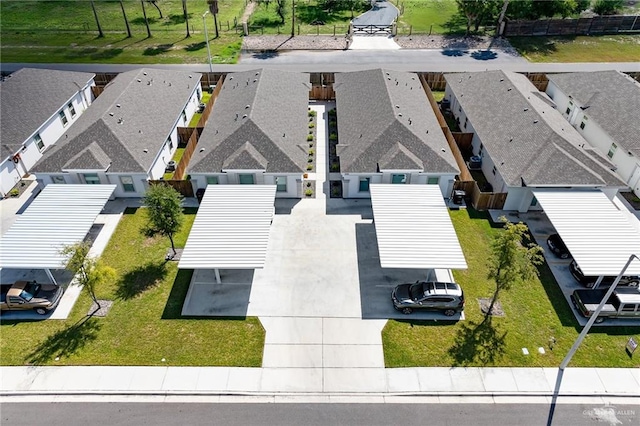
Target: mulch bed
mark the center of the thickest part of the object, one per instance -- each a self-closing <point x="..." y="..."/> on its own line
<point x="496" y="311"/>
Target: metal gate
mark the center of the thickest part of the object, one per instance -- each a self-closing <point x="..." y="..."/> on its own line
<point x="372" y="29"/>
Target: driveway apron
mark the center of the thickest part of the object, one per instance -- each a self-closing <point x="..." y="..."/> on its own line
<point x="308" y="295"/>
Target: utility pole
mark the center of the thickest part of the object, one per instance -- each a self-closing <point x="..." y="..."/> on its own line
<point x="206" y="38"/>
<point x="293" y="18"/>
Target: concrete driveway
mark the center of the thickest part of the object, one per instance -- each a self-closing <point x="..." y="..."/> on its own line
<point x="382" y="13"/>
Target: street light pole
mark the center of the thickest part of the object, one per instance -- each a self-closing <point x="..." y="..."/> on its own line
<point x="206" y="38"/>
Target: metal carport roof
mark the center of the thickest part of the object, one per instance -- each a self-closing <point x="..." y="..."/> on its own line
<point x="599" y="235"/>
<point x="231" y="229"/>
<point x="414" y="229"/>
<point x="60" y="215"/>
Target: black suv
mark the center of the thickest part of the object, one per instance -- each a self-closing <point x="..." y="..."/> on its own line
<point x="435" y="296"/>
<point x="625" y="280"/>
<point x="557" y="246"/>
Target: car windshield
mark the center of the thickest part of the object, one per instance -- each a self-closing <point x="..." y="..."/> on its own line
<point x="416" y="291"/>
<point x="29" y="291"/>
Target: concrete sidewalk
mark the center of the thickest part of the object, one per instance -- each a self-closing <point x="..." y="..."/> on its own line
<point x="321" y="383"/>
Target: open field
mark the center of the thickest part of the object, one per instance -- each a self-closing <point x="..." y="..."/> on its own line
<point x="535" y="313"/>
<point x="428" y="16"/>
<point x="144" y="325"/>
<point x="606" y="48"/>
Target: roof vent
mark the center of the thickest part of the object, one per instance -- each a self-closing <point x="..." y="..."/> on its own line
<point x="535" y="121"/>
<point x="111" y="114"/>
<point x="145" y="150"/>
<point x="247" y="106"/>
<point x="169" y="84"/>
<point x="443" y="150"/>
<point x="257" y="73"/>
<point x="201" y="149"/>
<point x="400" y="114"/>
<point x="502" y="79"/>
<point x="231" y="78"/>
<point x="118" y="105"/>
<point x="244" y="115"/>
<point x="149" y="83"/>
<point x="397" y="106"/>
<point x="120" y="120"/>
<point x="144" y="73"/>
<point x="190" y="76"/>
<point x="526" y="109"/>
<point x="509" y="89"/>
<point x="138" y="80"/>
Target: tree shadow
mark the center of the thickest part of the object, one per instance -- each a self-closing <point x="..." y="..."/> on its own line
<point x="65" y="342"/>
<point x="193" y="47"/>
<point x="536" y="45"/>
<point x="157" y="50"/>
<point x="454" y="52"/>
<point x="140" y="21"/>
<point x="106" y="54"/>
<point x="484" y="55"/>
<point x="141" y="279"/>
<point x="478" y="344"/>
<point x="175" y="19"/>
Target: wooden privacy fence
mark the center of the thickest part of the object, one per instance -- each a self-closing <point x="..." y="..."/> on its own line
<point x="212" y="100"/>
<point x="464" y="172"/>
<point x="184" y="187"/>
<point x="463" y="140"/>
<point x="322" y="86"/>
<point x="581" y="26"/>
<point x="481" y="200"/>
<point x="435" y="80"/>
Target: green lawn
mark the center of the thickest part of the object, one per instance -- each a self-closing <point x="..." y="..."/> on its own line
<point x="422" y="16"/>
<point x="535" y="313"/>
<point x="65" y="31"/>
<point x="607" y="48"/>
<point x="196" y="117"/>
<point x="144" y="325"/>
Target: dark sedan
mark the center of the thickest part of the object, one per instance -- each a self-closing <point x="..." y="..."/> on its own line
<point x="557" y="247"/>
<point x="625" y="280"/>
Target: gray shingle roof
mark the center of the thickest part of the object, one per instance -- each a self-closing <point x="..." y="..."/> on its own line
<point x="527" y="138"/>
<point x="136" y="112"/>
<point x="29" y="97"/>
<point x="385" y="121"/>
<point x="259" y="121"/>
<point x="613" y="101"/>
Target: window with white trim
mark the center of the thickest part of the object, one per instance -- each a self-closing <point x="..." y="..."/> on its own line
<point x="63" y="118"/>
<point x="39" y="142"/>
<point x="281" y="184"/>
<point x="91" y="179"/>
<point x="364" y="184"/>
<point x="246" y="179"/>
<point x="127" y="184"/>
<point x="72" y="110"/>
<point x="612" y="150"/>
<point x="399" y="178"/>
<point x="212" y="180"/>
<point x="584" y="122"/>
<point x="433" y="180"/>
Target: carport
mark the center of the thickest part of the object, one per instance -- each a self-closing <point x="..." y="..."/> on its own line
<point x="599" y="235"/>
<point x="60" y="215"/>
<point x="414" y="229"/>
<point x="231" y="229"/>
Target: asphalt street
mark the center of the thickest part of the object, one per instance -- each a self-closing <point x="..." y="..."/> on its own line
<point x="163" y="413"/>
<point x="383" y="13"/>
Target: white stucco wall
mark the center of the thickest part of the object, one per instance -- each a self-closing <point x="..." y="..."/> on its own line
<point x="231" y="177"/>
<point x="50" y="131"/>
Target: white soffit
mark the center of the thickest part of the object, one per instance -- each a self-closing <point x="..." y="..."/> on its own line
<point x="414" y="229"/>
<point x="60" y="215"/>
<point x="598" y="234"/>
<point x="231" y="229"/>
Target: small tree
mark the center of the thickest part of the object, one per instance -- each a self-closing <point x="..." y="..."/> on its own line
<point x="165" y="210"/>
<point x="512" y="261"/>
<point x="91" y="272"/>
<point x="607" y="7"/>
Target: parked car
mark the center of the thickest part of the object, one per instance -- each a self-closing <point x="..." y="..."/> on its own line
<point x="623" y="303"/>
<point x="23" y="295"/>
<point x="625" y="280"/>
<point x="435" y="296"/>
<point x="557" y="247"/>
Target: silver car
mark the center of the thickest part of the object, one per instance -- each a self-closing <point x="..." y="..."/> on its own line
<point x="434" y="296"/>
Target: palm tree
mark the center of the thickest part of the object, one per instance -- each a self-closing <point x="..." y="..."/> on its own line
<point x="126" y="21"/>
<point x="146" y="21"/>
<point x="95" y="14"/>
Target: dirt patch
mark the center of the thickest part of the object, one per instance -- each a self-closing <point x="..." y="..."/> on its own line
<point x="496" y="311"/>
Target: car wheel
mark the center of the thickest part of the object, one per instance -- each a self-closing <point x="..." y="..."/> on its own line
<point x="599" y="320"/>
<point x="40" y="311"/>
<point x="564" y="256"/>
<point x="407" y="310"/>
<point x="449" y="312"/>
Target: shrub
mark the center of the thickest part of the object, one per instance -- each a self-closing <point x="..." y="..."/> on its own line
<point x="335" y="167"/>
<point x="309" y="166"/>
<point x="310" y="144"/>
<point x="308" y="184"/>
<point x="333" y="137"/>
<point x="332" y="112"/>
<point x="310" y="160"/>
<point x="312" y="125"/>
<point x="607" y="7"/>
<point x="311" y="152"/>
<point x="312" y="113"/>
<point x="14" y="192"/>
<point x="309" y="137"/>
<point x="308" y="192"/>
